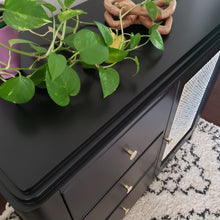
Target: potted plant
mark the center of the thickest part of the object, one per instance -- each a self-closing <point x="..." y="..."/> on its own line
<point x="7" y="33"/>
<point x="57" y="75"/>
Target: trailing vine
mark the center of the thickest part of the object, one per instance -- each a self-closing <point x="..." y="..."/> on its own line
<point x="100" y="51"/>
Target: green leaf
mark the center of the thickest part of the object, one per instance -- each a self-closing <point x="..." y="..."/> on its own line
<point x="67" y="84"/>
<point x="18" y="90"/>
<point x="24" y="14"/>
<point x="61" y="4"/>
<point x="109" y="80"/>
<point x="137" y="63"/>
<point x="56" y="92"/>
<point x="63" y="16"/>
<point x="75" y="82"/>
<point x="68" y="29"/>
<point x="159" y="12"/>
<point x="156" y="39"/>
<point x="118" y="42"/>
<point x="68" y="3"/>
<point x="42" y="85"/>
<point x="39" y="75"/>
<point x="154" y="27"/>
<point x="135" y="40"/>
<point x="91" y="46"/>
<point x="168" y="0"/>
<point x="116" y="55"/>
<point x="106" y="33"/>
<point x="56" y="64"/>
<point x="20" y="41"/>
<point x="39" y="50"/>
<point x="69" y="40"/>
<point x="49" y="6"/>
<point x="88" y="66"/>
<point x="152" y="9"/>
<point x="40" y="2"/>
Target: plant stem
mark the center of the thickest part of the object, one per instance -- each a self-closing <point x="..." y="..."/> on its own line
<point x="31" y="66"/>
<point x="11" y="68"/>
<point x="73" y="63"/>
<point x="4" y="64"/>
<point x="63" y="32"/>
<point x="130" y="10"/>
<point x="133" y="8"/>
<point x="111" y="65"/>
<point x="9" y="60"/>
<point x="8" y="74"/>
<point x="62" y="37"/>
<point x="54" y="26"/>
<point x="40" y="35"/>
<point x="77" y="24"/>
<point x="73" y="56"/>
<point x="17" y="51"/>
<point x="52" y="43"/>
<point x="141" y="45"/>
<point x="145" y="35"/>
<point x="122" y="29"/>
<point x="2" y="79"/>
<point x="83" y="22"/>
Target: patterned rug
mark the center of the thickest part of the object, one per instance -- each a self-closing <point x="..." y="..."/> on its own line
<point x="188" y="188"/>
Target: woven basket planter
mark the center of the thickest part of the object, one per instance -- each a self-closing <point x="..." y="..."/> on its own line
<point x="7" y="33"/>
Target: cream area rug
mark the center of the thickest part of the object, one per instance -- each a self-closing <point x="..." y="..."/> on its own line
<point x="188" y="188"/>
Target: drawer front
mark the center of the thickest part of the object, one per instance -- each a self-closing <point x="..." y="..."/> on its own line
<point x="124" y="186"/>
<point x="125" y="206"/>
<point x="96" y="178"/>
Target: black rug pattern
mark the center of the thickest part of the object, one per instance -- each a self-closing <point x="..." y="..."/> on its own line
<point x="189" y="186"/>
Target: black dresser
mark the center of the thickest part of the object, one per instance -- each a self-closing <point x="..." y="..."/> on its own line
<point x="93" y="159"/>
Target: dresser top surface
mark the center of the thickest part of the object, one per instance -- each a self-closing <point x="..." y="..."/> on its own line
<point x="40" y="139"/>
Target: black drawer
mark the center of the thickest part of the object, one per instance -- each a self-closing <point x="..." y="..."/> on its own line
<point x="97" y="177"/>
<point x="130" y="200"/>
<point x="123" y="187"/>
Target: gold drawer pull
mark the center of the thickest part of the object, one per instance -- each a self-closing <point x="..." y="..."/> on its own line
<point x="125" y="210"/>
<point x="167" y="140"/>
<point x="132" y="153"/>
<point x="127" y="187"/>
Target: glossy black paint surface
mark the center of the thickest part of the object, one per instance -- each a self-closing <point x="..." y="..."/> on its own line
<point x="145" y="164"/>
<point x="100" y="174"/>
<point x="43" y="145"/>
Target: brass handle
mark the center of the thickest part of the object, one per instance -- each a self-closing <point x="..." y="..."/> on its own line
<point x="130" y="152"/>
<point x="167" y="140"/>
<point x="127" y="187"/>
<point x="125" y="210"/>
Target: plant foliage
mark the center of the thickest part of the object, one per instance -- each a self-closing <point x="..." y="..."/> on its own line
<point x="100" y="50"/>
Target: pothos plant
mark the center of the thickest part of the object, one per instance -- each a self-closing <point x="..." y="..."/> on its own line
<point x="100" y="51"/>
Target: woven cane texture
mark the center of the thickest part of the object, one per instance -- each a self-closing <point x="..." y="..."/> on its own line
<point x="189" y="103"/>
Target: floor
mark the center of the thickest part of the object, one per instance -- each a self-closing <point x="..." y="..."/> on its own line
<point x="210" y="113"/>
